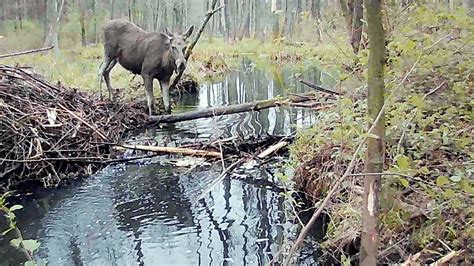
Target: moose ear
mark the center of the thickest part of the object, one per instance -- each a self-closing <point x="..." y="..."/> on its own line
<point x="169" y="33"/>
<point x="168" y="38"/>
<point x="188" y="32"/>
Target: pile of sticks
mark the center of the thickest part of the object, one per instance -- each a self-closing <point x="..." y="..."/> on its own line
<point x="50" y="132"/>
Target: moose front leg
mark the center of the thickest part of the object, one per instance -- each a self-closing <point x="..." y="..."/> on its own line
<point x="165" y="94"/>
<point x="148" y="80"/>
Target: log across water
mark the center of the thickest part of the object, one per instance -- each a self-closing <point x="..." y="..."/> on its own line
<point x="233" y="109"/>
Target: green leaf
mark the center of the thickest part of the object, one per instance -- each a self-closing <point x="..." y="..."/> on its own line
<point x="30" y="245"/>
<point x="449" y="193"/>
<point x="424" y="170"/>
<point x="16" y="207"/>
<point x="455" y="178"/>
<point x="30" y="263"/>
<point x="41" y="263"/>
<point x="402" y="162"/>
<point x="441" y="181"/>
<point x="15" y="242"/>
<point x="417" y="101"/>
<point x="404" y="182"/>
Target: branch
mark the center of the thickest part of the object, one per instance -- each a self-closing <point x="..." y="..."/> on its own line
<point x="308" y="226"/>
<point x="272" y="149"/>
<point x="232" y="109"/>
<point x="196" y="39"/>
<point x="319" y="88"/>
<point x="414" y="112"/>
<point x="27" y="52"/>
<point x="447" y="258"/>
<point x="170" y="150"/>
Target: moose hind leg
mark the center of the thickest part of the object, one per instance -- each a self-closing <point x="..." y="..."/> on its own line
<point x="165" y="95"/>
<point x="106" y="75"/>
<point x="148" y="80"/>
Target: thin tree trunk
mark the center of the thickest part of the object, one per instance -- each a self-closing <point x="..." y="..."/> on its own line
<point x="55" y="12"/>
<point x="357" y="25"/>
<point x="112" y="9"/>
<point x="375" y="146"/>
<point x="82" y="15"/>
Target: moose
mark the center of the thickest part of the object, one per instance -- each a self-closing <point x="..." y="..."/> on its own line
<point x="152" y="55"/>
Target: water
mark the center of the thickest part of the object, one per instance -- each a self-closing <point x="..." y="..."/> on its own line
<point x="148" y="213"/>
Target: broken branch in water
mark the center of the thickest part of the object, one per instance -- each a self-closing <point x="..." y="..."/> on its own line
<point x="319" y="88"/>
<point x="272" y="149"/>
<point x="232" y="109"/>
<point x="27" y="52"/>
<point x="170" y="150"/>
<point x="209" y="14"/>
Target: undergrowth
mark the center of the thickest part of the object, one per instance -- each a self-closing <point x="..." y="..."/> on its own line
<point x="428" y="189"/>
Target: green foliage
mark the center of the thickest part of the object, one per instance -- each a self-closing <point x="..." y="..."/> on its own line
<point x="28" y="245"/>
<point x="429" y="105"/>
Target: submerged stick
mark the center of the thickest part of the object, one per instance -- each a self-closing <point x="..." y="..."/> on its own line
<point x="27" y="52"/>
<point x="220" y="178"/>
<point x="232" y="109"/>
<point x="184" y="151"/>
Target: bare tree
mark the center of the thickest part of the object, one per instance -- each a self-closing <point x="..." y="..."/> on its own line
<point x="55" y="10"/>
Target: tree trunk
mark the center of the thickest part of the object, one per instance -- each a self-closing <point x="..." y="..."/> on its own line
<point x="82" y="11"/>
<point x="346" y="8"/>
<point x="112" y="9"/>
<point x="375" y="146"/>
<point x="54" y="13"/>
<point x="469" y="5"/>
<point x="357" y="25"/>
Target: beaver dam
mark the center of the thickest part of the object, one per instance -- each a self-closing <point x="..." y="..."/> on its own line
<point x="51" y="132"/>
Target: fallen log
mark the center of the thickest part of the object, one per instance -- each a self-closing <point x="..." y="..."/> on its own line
<point x="233" y="109"/>
<point x="184" y="151"/>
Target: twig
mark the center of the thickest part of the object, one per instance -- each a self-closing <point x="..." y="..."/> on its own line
<point x="272" y="149"/>
<point x="219" y="179"/>
<point x="308" y="226"/>
<point x="414" y="112"/>
<point x="222" y="157"/>
<point x="196" y="39"/>
<point x="411" y="259"/>
<point x="27" y="52"/>
<point x="447" y="258"/>
<point x="101" y="135"/>
<point x="319" y="88"/>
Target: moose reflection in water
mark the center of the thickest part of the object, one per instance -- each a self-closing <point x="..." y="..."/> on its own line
<point x="148" y="213"/>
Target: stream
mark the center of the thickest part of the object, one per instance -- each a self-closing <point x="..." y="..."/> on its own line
<point x="148" y="213"/>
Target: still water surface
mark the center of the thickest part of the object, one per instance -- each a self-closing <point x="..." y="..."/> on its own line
<point x="147" y="213"/>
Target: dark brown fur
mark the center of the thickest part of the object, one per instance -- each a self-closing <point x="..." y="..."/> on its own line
<point x="149" y="54"/>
